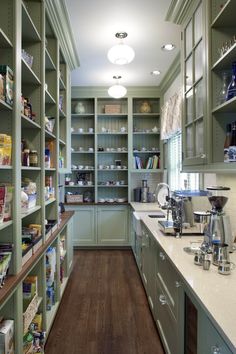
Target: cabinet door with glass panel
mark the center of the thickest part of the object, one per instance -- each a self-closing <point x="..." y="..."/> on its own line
<point x="194" y="80"/>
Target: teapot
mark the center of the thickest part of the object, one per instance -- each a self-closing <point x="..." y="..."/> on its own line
<point x="79" y="108"/>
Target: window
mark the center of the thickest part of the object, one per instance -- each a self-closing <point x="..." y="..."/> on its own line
<point x="177" y="179"/>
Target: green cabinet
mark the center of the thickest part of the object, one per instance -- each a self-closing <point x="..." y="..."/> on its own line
<point x="100" y="225"/>
<point x="112" y="225"/>
<point x="193" y="54"/>
<point x="84" y="230"/>
<point x="148" y="265"/>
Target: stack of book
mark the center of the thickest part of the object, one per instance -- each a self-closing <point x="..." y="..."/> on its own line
<point x="153" y="162"/>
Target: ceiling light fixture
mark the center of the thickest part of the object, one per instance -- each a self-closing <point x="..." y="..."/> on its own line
<point x="121" y="53"/>
<point x="155" y="72"/>
<point x="168" y="47"/>
<point x="117" y="90"/>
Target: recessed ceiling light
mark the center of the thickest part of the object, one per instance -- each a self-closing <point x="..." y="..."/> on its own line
<point x="168" y="46"/>
<point x="155" y="72"/>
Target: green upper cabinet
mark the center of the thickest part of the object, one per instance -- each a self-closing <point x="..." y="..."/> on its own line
<point x="194" y="86"/>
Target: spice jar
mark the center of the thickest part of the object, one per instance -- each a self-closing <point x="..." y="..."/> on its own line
<point x="33" y="158"/>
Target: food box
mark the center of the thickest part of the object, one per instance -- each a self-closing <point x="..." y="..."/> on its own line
<point x="74" y="198"/>
<point x="112" y="108"/>
<point x="53" y="225"/>
<point x="7" y="74"/>
<point x="5" y="149"/>
<point x="7" y="337"/>
<point x="30" y="312"/>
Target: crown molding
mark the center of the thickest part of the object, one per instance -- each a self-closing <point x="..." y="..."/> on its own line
<point x="177" y="10"/>
<point x="171" y="74"/>
<point x="101" y="91"/>
<point x="58" y="15"/>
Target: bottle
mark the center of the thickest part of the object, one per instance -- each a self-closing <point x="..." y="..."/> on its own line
<point x="227" y="142"/>
<point x="232" y="146"/>
<point x="47" y="158"/>
<point x="224" y="87"/>
<point x="25" y="161"/>
<point x="231" y="91"/>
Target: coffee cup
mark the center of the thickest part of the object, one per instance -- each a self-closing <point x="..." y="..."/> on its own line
<point x="112" y="167"/>
<point x="80" y="130"/>
<point x="86" y="167"/>
<point x="89" y="183"/>
<point x="90" y="149"/>
<point x="225" y="267"/>
<point x="100" y="167"/>
<point x="80" y="183"/>
<point x="71" y="183"/>
<point x="80" y="167"/>
<point x="90" y="130"/>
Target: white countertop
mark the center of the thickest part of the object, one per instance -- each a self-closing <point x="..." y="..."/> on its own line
<point x="145" y="206"/>
<point x="215" y="292"/>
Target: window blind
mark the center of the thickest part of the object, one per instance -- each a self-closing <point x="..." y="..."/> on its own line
<point x="176" y="179"/>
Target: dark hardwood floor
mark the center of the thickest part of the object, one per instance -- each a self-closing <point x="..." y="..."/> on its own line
<point x="104" y="308"/>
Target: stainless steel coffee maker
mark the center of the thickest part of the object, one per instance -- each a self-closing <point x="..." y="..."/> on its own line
<point x="219" y="228"/>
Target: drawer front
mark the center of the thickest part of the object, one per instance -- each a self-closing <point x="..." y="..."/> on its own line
<point x="169" y="280"/>
<point x="209" y="340"/>
<point x="166" y="323"/>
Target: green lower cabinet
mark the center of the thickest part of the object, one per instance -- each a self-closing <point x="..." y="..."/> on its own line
<point x="69" y="241"/>
<point x="112" y="225"/>
<point x="97" y="225"/>
<point x="209" y="340"/>
<point x="84" y="230"/>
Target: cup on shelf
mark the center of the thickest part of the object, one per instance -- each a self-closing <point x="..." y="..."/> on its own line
<point x="124" y="167"/>
<point x="112" y="167"/>
<point x="90" y="149"/>
<point x="107" y="167"/>
<point x="90" y="130"/>
<point x="119" y="149"/>
<point x="103" y="130"/>
<point x="81" y="148"/>
<point x="80" y="183"/>
<point x="80" y="130"/>
<point x="101" y="200"/>
<point x="122" y="182"/>
<point x="80" y="167"/>
<point x="86" y="167"/>
<point x="89" y="183"/>
<point x="117" y="183"/>
<point x="155" y="129"/>
<point x="118" y="167"/>
<point x="72" y="129"/>
<point x="71" y="183"/>
<point x="123" y="129"/>
<point x="100" y="167"/>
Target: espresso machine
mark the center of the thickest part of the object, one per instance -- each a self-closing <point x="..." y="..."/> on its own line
<point x="219" y="228"/>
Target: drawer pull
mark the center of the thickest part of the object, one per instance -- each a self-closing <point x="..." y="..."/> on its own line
<point x="162" y="256"/>
<point x="215" y="349"/>
<point x="162" y="299"/>
<point x="177" y="284"/>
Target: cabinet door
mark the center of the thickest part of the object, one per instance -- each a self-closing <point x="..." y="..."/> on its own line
<point x="145" y="253"/>
<point x="84" y="231"/>
<point x="69" y="244"/>
<point x="112" y="225"/>
<point x="194" y="83"/>
<point x="209" y="340"/>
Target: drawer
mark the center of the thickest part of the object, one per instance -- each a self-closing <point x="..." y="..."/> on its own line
<point x="165" y="321"/>
<point x="169" y="279"/>
<point x="209" y="339"/>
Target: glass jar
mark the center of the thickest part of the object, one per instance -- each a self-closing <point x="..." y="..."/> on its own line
<point x="25" y="160"/>
<point x="33" y="158"/>
<point x="222" y="96"/>
<point x="47" y="158"/>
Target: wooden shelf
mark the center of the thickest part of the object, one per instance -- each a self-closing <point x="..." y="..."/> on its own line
<point x="49" y="135"/>
<point x="79" y="115"/>
<point x="112" y="152"/>
<point x="62" y="84"/>
<point x="30" y="211"/>
<point x="5" y="42"/>
<point x="225" y="62"/>
<point x="12" y="281"/>
<point x="82" y="152"/>
<point x="48" y="98"/>
<point x="29" y="31"/>
<point x="113" y="186"/>
<point x="28" y="75"/>
<point x="26" y="168"/>
<point x="113" y="115"/>
<point x="86" y="133"/>
<point x="5" y="224"/>
<point x="82" y="169"/>
<point x="146" y="133"/>
<point x="147" y="152"/>
<point x="112" y="133"/>
<point x="49" y="64"/>
<point x="146" y="114"/>
<point x="50" y="201"/>
<point x="5" y="106"/>
<point x="226" y="17"/>
<point x="6" y="167"/>
<point x="228" y="106"/>
<point x="79" y="186"/>
<point x="144" y="170"/>
<point x="28" y="123"/>
<point x="62" y="142"/>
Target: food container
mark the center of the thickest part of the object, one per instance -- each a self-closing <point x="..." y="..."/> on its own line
<point x="112" y="108"/>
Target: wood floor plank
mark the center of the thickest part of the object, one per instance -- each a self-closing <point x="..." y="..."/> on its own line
<point x="104" y="309"/>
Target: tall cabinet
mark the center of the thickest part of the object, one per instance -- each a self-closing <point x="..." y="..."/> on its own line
<point x="35" y="112"/>
<point x="115" y="143"/>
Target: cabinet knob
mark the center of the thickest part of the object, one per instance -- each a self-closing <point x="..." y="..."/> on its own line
<point x="162" y="299"/>
<point x="215" y="349"/>
<point x="177" y="284"/>
<point x="162" y="256"/>
<point x="203" y="156"/>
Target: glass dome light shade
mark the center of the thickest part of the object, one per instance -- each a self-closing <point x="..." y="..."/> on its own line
<point x="117" y="91"/>
<point x="121" y="54"/>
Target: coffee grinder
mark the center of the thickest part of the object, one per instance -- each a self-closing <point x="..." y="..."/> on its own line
<point x="144" y="191"/>
<point x="219" y="228"/>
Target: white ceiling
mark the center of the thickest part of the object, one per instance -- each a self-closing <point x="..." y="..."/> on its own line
<point x="94" y="24"/>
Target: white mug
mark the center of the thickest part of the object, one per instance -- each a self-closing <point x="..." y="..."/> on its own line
<point x="81" y="130"/>
<point x="90" y="130"/>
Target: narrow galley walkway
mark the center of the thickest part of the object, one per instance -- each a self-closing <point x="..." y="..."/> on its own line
<point x="104" y="309"/>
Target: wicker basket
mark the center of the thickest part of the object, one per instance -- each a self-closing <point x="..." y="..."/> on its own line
<point x="30" y="312"/>
<point x="74" y="198"/>
<point x="112" y="108"/>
